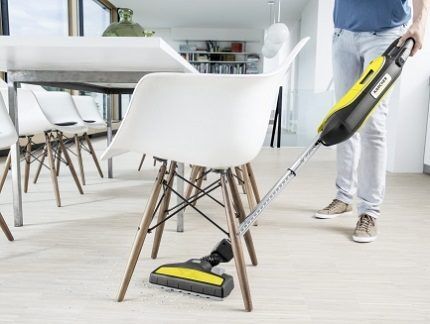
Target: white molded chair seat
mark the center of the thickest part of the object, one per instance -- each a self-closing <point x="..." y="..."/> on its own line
<point x="61" y="111"/>
<point x="216" y="121"/>
<point x="89" y="112"/>
<point x="31" y="118"/>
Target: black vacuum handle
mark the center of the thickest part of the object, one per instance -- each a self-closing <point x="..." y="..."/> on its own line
<point x="400" y="53"/>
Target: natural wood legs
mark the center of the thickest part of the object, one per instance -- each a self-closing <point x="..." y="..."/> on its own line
<point x="5" y="228"/>
<point x="79" y="155"/>
<point x="52" y="169"/>
<point x="248" y="188"/>
<point x="39" y="167"/>
<point x="142" y="231"/>
<point x="230" y="196"/>
<point x="162" y="213"/>
<point x="199" y="180"/>
<point x="93" y="154"/>
<point x="253" y="183"/>
<point x="238" y="206"/>
<point x="236" y="244"/>
<point x="5" y="172"/>
<point x="69" y="163"/>
<point x="190" y="188"/>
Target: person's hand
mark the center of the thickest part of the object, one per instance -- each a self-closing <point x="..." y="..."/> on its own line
<point x="417" y="32"/>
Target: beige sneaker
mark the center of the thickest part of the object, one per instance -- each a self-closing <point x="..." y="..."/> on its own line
<point x="366" y="230"/>
<point x="334" y="209"/>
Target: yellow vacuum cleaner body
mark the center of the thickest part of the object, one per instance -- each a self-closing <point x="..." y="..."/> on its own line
<point x="353" y="109"/>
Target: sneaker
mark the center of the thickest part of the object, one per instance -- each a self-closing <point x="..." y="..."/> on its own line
<point x="334" y="209"/>
<point x="366" y="230"/>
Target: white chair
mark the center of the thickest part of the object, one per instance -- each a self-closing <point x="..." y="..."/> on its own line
<point x="213" y="121"/>
<point x="85" y="114"/>
<point x="8" y="137"/>
<point x="60" y="110"/>
<point x="33" y="121"/>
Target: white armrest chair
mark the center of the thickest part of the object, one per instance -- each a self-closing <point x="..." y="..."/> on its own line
<point x="8" y="137"/>
<point x="213" y="121"/>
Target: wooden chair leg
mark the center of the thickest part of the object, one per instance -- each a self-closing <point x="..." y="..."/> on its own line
<point x="58" y="160"/>
<point x="248" y="188"/>
<point x="27" y="164"/>
<point x="93" y="154"/>
<point x="70" y="163"/>
<point x="5" y="229"/>
<point x="142" y="231"/>
<point x="236" y="243"/>
<point x="199" y="180"/>
<point x="189" y="191"/>
<point x="51" y="161"/>
<point x="253" y="183"/>
<point x="238" y="206"/>
<point x="162" y="213"/>
<point x="39" y="168"/>
<point x="5" y="172"/>
<point x="240" y="182"/>
<point x="141" y="162"/>
<point x="79" y="154"/>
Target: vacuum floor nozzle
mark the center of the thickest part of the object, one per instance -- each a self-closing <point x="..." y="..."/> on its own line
<point x="192" y="277"/>
<point x="196" y="276"/>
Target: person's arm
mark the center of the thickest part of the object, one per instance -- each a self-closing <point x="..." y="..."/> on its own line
<point x="418" y="28"/>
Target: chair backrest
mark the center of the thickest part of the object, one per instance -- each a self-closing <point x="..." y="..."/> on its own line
<point x="8" y="135"/>
<point x="33" y="87"/>
<point x="210" y="120"/>
<point x="31" y="118"/>
<point x="87" y="109"/>
<point x="59" y="107"/>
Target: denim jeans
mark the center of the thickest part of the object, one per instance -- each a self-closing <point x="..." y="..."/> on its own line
<point x="361" y="161"/>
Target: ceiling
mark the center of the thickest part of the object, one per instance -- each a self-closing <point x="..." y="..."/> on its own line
<point x="209" y="13"/>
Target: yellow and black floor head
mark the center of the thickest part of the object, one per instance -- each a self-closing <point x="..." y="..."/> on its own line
<point x="194" y="276"/>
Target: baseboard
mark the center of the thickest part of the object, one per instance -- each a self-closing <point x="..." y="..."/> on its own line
<point x="427" y="168"/>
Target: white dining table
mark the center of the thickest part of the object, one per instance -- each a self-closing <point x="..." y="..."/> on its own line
<point x="109" y="65"/>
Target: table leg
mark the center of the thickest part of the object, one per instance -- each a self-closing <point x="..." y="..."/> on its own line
<point x="15" y="156"/>
<point x="180" y="189"/>
<point x="109" y="105"/>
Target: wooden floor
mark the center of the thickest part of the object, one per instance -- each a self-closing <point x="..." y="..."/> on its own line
<point x="66" y="263"/>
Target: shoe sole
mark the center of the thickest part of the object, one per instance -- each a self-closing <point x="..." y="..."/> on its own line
<point x="330" y="216"/>
<point x="363" y="239"/>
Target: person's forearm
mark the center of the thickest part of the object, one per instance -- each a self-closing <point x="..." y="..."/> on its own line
<point x="418" y="28"/>
<point x="421" y="8"/>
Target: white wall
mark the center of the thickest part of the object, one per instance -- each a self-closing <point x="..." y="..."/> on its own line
<point x="427" y="151"/>
<point x="407" y="120"/>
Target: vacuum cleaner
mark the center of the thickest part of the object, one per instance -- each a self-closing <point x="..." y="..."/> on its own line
<point x="341" y="122"/>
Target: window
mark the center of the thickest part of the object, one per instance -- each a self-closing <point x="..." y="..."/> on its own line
<point x="96" y="18"/>
<point x="41" y="17"/>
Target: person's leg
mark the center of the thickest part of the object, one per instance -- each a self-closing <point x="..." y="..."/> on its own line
<point x="347" y="68"/>
<point x="373" y="160"/>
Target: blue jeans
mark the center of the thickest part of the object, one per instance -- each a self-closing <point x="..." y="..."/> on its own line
<point x="361" y="161"/>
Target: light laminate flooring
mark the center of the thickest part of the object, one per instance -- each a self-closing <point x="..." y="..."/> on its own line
<point x="66" y="263"/>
